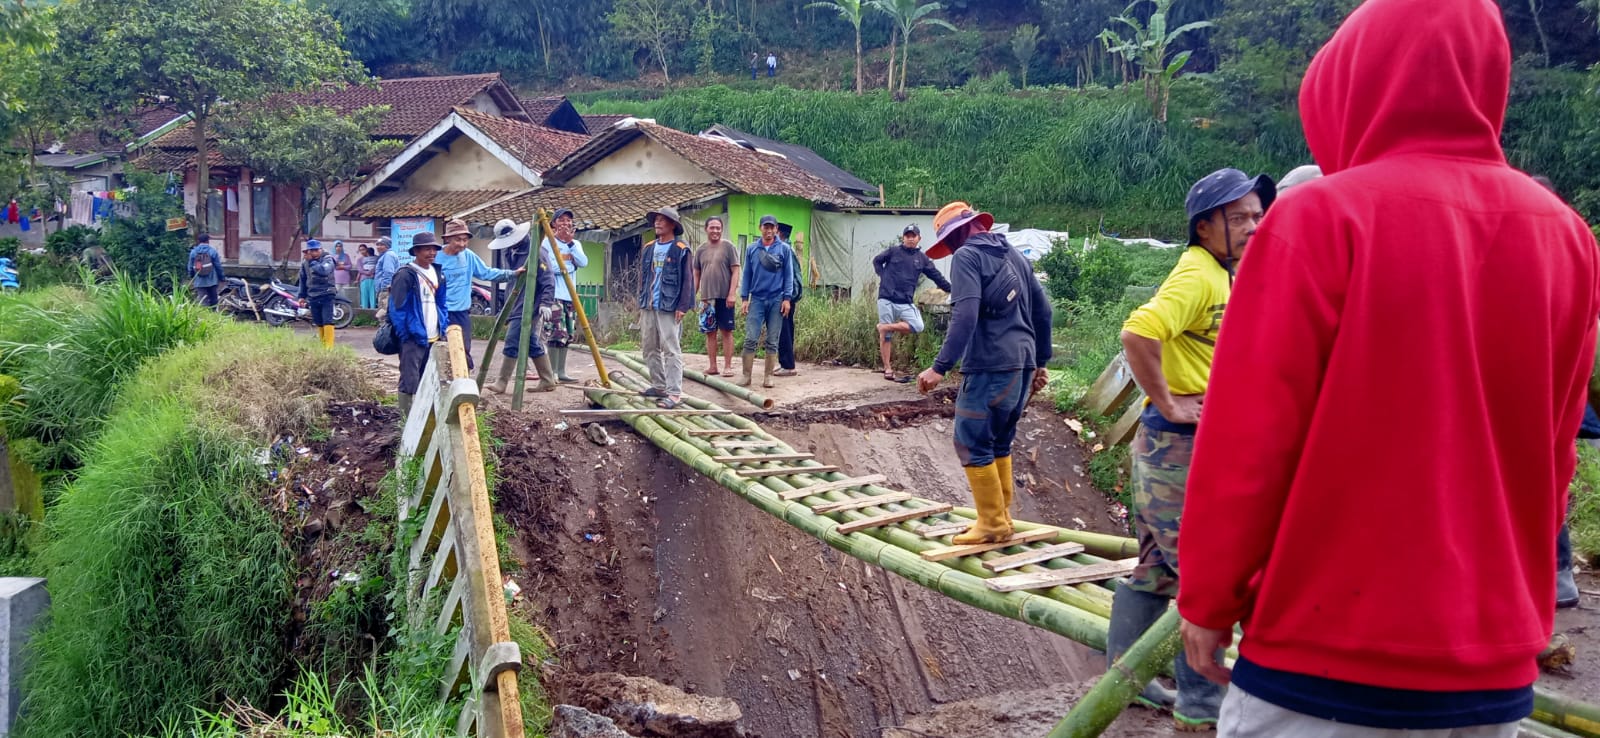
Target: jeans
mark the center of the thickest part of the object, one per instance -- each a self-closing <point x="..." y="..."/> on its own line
<point x="988" y="408"/>
<point x="321" y="309"/>
<point x="207" y="295"/>
<point x="764" y="313"/>
<point x="514" y="335"/>
<point x="462" y="318"/>
<point x="413" y="359"/>
<point x="369" y="293"/>
<point x="663" y="350"/>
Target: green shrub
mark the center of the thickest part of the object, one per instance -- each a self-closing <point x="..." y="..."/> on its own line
<point x="71" y="241"/>
<point x="1584" y="520"/>
<point x="9" y="246"/>
<point x="140" y="245"/>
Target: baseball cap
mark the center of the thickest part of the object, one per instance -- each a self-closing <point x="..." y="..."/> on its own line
<point x="765" y="219"/>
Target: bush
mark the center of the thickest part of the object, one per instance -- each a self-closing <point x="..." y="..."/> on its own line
<point x="1584" y="519"/>
<point x="141" y="245"/>
<point x="9" y="246"/>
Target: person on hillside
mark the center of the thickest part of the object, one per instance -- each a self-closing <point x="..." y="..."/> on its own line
<point x="716" y="271"/>
<point x="772" y="65"/>
<point x="367" y="272"/>
<point x="900" y="267"/>
<point x="388" y="262"/>
<point x="460" y="266"/>
<point x="513" y="239"/>
<point x="205" y="270"/>
<point x="666" y="294"/>
<point x="786" y="358"/>
<point x="317" y="287"/>
<point x="1168" y="343"/>
<point x="343" y="268"/>
<point x="1421" y="271"/>
<point x="1000" y="334"/>
<point x="766" y="291"/>
<point x="563" y="322"/>
<point x="418" y="311"/>
<point x="755" y="63"/>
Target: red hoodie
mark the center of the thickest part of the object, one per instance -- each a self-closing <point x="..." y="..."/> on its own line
<point x="1387" y="438"/>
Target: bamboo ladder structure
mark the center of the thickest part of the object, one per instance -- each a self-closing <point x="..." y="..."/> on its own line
<point x="455" y="552"/>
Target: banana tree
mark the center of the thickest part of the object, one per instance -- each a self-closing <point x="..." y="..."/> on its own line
<point x="850" y="11"/>
<point x="908" y="16"/>
<point x="1148" y="46"/>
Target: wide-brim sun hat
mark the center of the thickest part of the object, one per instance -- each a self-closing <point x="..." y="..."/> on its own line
<point x="947" y="220"/>
<point x="670" y="214"/>
<point x="423" y="240"/>
<point x="1220" y="188"/>
<point x="508" y="233"/>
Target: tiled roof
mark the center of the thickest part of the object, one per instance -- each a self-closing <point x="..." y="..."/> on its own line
<point x="540" y="108"/>
<point x="598" y="123"/>
<point x="739" y="168"/>
<point x="156" y="159"/>
<point x="601" y="207"/>
<point x="536" y="146"/>
<point x="804" y="158"/>
<point x="422" y="204"/>
<point x="113" y="135"/>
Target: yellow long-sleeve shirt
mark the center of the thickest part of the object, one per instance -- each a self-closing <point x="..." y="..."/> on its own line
<point x="1184" y="316"/>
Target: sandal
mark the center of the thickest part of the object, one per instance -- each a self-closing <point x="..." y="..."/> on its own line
<point x="890" y="376"/>
<point x="786" y="373"/>
<point x="712" y="372"/>
<point x="652" y="392"/>
<point x="669" y="403"/>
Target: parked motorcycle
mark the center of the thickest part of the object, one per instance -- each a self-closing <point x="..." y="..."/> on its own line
<point x="9" y="276"/>
<point x="482" y="299"/>
<point x="238" y="298"/>
<point x="281" y="306"/>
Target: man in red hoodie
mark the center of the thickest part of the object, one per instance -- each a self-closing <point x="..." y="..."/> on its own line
<point x="1393" y="574"/>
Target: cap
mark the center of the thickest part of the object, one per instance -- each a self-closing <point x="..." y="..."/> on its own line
<point x="766" y="219"/>
<point x="911" y="228"/>
<point x="311" y="243"/>
<point x="560" y="212"/>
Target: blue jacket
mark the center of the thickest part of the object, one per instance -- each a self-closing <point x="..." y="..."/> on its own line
<point x="200" y="251"/>
<point x="405" y="306"/>
<point x="460" y="270"/>
<point x="677" y="278"/>
<point x="764" y="283"/>
<point x="316" y="277"/>
<point x="387" y="264"/>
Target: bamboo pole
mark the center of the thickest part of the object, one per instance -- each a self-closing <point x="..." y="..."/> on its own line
<point x="728" y="388"/>
<point x="1134" y="669"/>
<point x="577" y="305"/>
<point x="530" y="316"/>
<point x="499" y="325"/>
<point x="1529" y="725"/>
<point x="1566" y="713"/>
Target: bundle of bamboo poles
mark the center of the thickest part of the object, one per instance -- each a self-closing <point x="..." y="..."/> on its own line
<point x="728" y="388"/>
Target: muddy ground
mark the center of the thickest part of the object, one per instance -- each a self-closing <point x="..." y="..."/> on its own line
<point x="635" y="564"/>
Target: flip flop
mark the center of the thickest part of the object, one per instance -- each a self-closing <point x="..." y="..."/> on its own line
<point x="652" y="392"/>
<point x="712" y="372"/>
<point x="890" y="376"/>
<point x="669" y="403"/>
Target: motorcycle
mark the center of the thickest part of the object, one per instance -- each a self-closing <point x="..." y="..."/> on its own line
<point x="9" y="276"/>
<point x="281" y="306"/>
<point x="238" y="298"/>
<point x="482" y="299"/>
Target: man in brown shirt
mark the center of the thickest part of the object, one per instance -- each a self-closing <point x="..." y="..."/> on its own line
<point x="716" y="270"/>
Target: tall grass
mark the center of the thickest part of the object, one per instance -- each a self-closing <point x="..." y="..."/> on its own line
<point x="1584" y="520"/>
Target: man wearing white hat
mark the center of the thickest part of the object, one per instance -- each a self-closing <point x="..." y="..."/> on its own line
<point x="513" y="239"/>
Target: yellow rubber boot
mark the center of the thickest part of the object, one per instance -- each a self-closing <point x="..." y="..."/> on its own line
<point x="1002" y="465"/>
<point x="988" y="498"/>
<point x="327" y="335"/>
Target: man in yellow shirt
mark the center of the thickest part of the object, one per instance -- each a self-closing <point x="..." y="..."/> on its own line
<point x="1168" y="342"/>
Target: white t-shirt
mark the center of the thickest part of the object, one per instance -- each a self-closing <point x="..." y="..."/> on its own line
<point x="427" y="291"/>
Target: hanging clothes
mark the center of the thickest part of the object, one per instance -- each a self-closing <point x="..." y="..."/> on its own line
<point x="27" y="223"/>
<point x="233" y="199"/>
<point x="12" y="214"/>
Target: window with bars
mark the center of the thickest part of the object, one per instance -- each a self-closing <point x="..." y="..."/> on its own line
<point x="261" y="209"/>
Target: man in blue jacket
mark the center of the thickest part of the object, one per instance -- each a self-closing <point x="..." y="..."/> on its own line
<point x="205" y="269"/>
<point x="389" y="260"/>
<point x="317" y="287"/>
<point x="766" y="292"/>
<point x="1000" y="332"/>
<point x="418" y="312"/>
<point x="460" y="266"/>
<point x="666" y="294"/>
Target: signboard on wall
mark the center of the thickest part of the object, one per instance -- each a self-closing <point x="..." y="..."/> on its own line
<point x="402" y="230"/>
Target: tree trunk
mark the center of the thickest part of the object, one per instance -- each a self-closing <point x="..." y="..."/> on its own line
<point x="1534" y="6"/>
<point x="860" y="84"/>
<point x="905" y="62"/>
<point x="202" y="165"/>
<point x="661" y="55"/>
<point x="893" y="49"/>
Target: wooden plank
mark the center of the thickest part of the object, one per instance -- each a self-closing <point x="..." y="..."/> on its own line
<point x="817" y="489"/>
<point x="445" y="562"/>
<point x="433" y="528"/>
<point x="608" y="412"/>
<point x="1006" y="563"/>
<point x="1062" y="577"/>
<point x="418" y="426"/>
<point x="719" y="432"/>
<point x="894" y="517"/>
<point x="1122" y="431"/>
<point x="785" y="471"/>
<point x="973" y="549"/>
<point x="762" y="458"/>
<point x="454" y="608"/>
<point x="746" y="444"/>
<point x="860" y="502"/>
<point x="942" y="529"/>
<point x="1111" y="389"/>
<point x="457" y="672"/>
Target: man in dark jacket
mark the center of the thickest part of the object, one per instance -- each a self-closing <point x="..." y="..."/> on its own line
<point x="418" y="312"/>
<point x="514" y="237"/>
<point x="1000" y="332"/>
<point x="205" y="269"/>
<point x="666" y="293"/>
<point x="899" y="269"/>
<point x="317" y="287"/>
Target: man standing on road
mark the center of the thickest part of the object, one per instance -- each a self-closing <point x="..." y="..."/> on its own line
<point x="388" y="262"/>
<point x="317" y="287"/>
<point x="418" y="313"/>
<point x="1000" y="333"/>
<point x="460" y="266"/>
<point x="666" y="294"/>
<point x="563" y="322"/>
<point x="766" y="290"/>
<point x="1421" y="272"/>
<point x="1168" y="342"/>
<point x="205" y="269"/>
<point x="716" y="271"/>
<point x="509" y="235"/>
<point x="899" y="269"/>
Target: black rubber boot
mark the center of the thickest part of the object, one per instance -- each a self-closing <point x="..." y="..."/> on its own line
<point x="1132" y="613"/>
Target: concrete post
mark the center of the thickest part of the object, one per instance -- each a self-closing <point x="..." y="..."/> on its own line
<point x="23" y="605"/>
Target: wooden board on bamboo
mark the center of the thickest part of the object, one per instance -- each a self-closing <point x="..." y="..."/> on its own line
<point x="642" y="411"/>
<point x="746" y="444"/>
<point x="1005" y="563"/>
<point x="1063" y="577"/>
<point x="817" y="489"/>
<point x="761" y="458"/>
<point x="942" y="529"/>
<point x="720" y="432"/>
<point x="785" y="471"/>
<point x="860" y="502"/>
<point x="973" y="549"/>
<point x="894" y="517"/>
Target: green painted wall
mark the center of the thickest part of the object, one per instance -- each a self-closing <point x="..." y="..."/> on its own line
<point x="744" y="217"/>
<point x="595" y="273"/>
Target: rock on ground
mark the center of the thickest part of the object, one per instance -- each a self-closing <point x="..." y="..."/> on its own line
<point x="645" y="707"/>
<point x="575" y="722"/>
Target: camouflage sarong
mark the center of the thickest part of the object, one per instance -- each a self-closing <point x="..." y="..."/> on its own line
<point x="1160" y="475"/>
<point x="559" y="329"/>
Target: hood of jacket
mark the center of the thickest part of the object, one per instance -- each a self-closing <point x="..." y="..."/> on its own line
<point x="993" y="244"/>
<point x="1409" y="77"/>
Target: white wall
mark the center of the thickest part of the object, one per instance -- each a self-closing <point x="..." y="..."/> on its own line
<point x="640" y="162"/>
<point x="466" y="166"/>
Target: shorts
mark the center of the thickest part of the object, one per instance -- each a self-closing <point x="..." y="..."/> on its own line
<point x="893" y="312"/>
<point x="722" y="316"/>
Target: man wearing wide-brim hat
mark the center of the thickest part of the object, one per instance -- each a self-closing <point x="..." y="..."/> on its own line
<point x="1168" y="343"/>
<point x="418" y="313"/>
<point x="666" y="294"/>
<point x="1000" y="333"/>
<point x="512" y="238"/>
